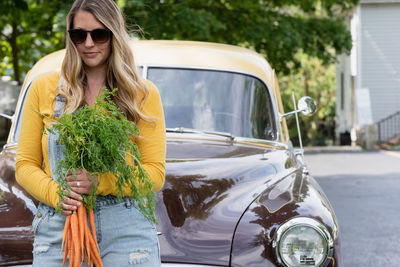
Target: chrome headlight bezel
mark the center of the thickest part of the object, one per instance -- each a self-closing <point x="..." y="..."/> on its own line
<point x="308" y="222"/>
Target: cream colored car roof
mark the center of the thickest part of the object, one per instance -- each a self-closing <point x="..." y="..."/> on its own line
<point x="183" y="54"/>
<point x="179" y="54"/>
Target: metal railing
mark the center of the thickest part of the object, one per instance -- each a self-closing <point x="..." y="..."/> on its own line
<point x="389" y="128"/>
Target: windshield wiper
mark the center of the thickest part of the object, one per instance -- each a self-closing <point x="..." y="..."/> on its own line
<point x="188" y="130"/>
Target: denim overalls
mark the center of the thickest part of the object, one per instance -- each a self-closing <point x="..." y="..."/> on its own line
<point x="125" y="236"/>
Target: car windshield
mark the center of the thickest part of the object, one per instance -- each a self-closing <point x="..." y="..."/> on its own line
<point x="213" y="101"/>
<point x="218" y="101"/>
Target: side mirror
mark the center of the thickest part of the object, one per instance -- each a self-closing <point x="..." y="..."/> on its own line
<point x="307" y="105"/>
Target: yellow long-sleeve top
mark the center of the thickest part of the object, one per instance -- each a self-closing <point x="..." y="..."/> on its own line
<point x="32" y="163"/>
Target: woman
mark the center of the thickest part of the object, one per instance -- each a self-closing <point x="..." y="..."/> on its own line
<point x="97" y="55"/>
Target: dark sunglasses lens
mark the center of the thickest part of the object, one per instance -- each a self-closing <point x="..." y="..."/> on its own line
<point x="77" y="36"/>
<point x="100" y="35"/>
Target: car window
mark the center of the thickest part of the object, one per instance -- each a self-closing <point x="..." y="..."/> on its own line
<point x="215" y="101"/>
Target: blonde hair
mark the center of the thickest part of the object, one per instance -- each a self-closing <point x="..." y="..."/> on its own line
<point x="121" y="69"/>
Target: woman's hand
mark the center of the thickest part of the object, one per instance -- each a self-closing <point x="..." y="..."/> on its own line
<point x="71" y="203"/>
<point x="81" y="183"/>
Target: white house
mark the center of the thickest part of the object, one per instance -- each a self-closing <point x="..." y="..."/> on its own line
<point x="368" y="81"/>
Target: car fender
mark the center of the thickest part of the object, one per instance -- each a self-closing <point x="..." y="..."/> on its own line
<point x="295" y="195"/>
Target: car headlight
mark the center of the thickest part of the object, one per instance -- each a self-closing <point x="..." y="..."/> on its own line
<point x="303" y="242"/>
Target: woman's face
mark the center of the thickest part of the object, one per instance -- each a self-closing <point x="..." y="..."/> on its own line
<point x="94" y="55"/>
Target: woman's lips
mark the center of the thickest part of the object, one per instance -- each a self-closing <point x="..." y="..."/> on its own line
<point x="90" y="54"/>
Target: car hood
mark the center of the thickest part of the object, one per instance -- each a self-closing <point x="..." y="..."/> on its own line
<point x="208" y="186"/>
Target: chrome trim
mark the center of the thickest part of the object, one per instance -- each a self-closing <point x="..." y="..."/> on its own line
<point x="9" y="145"/>
<point x="185" y="265"/>
<point x="303" y="221"/>
<point x="21" y="98"/>
<point x="290" y="113"/>
<point x="18" y="111"/>
<point x="191" y="67"/>
<point x="237" y="140"/>
<point x="144" y="71"/>
<point x="299" y="154"/>
<point x="188" y="130"/>
<point x="6" y="116"/>
<point x="255" y="141"/>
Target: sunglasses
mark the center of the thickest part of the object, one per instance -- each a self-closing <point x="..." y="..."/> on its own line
<point x="79" y="36"/>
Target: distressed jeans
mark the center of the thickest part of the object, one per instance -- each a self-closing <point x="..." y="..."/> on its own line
<point x="125" y="236"/>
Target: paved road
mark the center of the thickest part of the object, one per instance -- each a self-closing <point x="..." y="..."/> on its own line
<point x="364" y="190"/>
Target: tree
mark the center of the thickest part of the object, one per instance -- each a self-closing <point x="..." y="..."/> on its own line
<point x="299" y="38"/>
<point x="29" y="29"/>
<point x="318" y="81"/>
<point x="277" y="29"/>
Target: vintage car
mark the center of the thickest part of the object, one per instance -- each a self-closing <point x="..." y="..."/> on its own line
<point x="236" y="192"/>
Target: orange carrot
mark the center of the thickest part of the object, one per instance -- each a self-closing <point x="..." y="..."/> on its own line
<point x="65" y="254"/>
<point x="93" y="226"/>
<point x="96" y="248"/>
<point x="75" y="239"/>
<point x="81" y="223"/>
<point x="66" y="229"/>
<point x="94" y="251"/>
<point x="85" y="259"/>
<point x="67" y="232"/>
<point x="70" y="246"/>
<point x="87" y="244"/>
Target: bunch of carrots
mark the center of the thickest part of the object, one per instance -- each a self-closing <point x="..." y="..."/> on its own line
<point x="79" y="241"/>
<point x="95" y="139"/>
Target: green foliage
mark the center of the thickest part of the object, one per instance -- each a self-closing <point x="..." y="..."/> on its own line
<point x="98" y="139"/>
<point x="318" y="81"/>
<point x="6" y="63"/>
<point x="278" y="29"/>
<point x="29" y="29"/>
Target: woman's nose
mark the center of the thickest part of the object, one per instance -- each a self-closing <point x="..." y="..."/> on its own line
<point x="89" y="42"/>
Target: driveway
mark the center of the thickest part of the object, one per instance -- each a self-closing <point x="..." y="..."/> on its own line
<point x="364" y="190"/>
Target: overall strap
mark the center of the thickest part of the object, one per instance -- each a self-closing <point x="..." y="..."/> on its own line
<point x="60" y="101"/>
